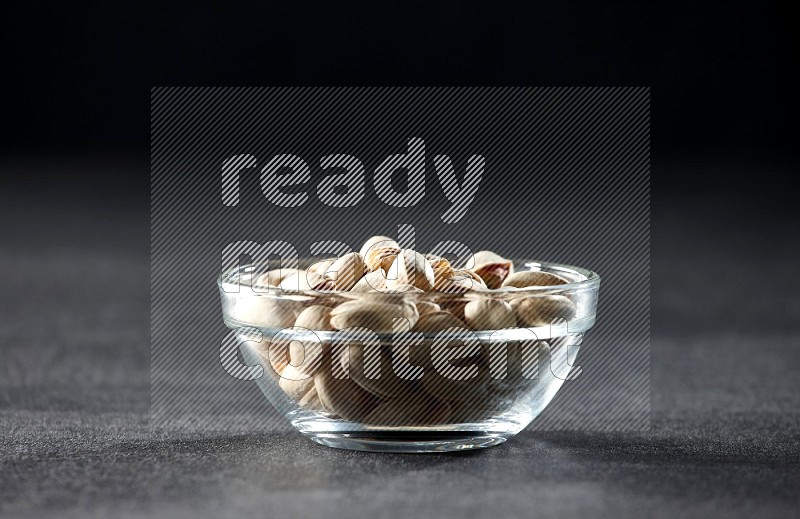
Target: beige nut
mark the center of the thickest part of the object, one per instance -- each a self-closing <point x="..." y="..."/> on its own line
<point x="371" y="282"/>
<point x="409" y="412"/>
<point x="311" y="401"/>
<point x="316" y="317"/>
<point x="303" y="281"/>
<point x="489" y="314"/>
<point x="294" y="383"/>
<point x="433" y="322"/>
<point x="375" y="242"/>
<point x="542" y="310"/>
<point x="375" y="316"/>
<point x="426" y="307"/>
<point x="274" y="277"/>
<point x="321" y="266"/>
<point x="345" y="272"/>
<point x="533" y="278"/>
<point x="492" y="268"/>
<point x="459" y="281"/>
<point x="265" y="310"/>
<point x="410" y="268"/>
<point x="343" y="397"/>
<point x="381" y="258"/>
<point x="382" y="380"/>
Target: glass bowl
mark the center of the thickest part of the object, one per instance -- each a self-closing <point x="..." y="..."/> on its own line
<point x="411" y="371"/>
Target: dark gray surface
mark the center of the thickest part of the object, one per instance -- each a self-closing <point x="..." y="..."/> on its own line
<point x="74" y="397"/>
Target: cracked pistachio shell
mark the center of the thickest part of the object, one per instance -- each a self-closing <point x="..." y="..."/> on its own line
<point x="343" y="397"/>
<point x="417" y="410"/>
<point x="459" y="281"/>
<point x="381" y="258"/>
<point x="489" y="314"/>
<point x="266" y="311"/>
<point x="345" y="272"/>
<point x="375" y="242"/>
<point x="381" y="380"/>
<point x="433" y="322"/>
<point x="274" y="277"/>
<point x="542" y="310"/>
<point x="374" y="316"/>
<point x="303" y="281"/>
<point x="410" y="268"/>
<point x="533" y="278"/>
<point x="492" y="268"/>
<point x="371" y="282"/>
<point x="295" y="383"/>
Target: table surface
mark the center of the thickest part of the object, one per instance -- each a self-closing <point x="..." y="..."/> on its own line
<point x="74" y="404"/>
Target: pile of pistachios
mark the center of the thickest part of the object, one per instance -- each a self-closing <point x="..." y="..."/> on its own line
<point x="386" y="289"/>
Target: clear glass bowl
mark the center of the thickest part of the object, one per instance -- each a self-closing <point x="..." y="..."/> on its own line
<point x="382" y="374"/>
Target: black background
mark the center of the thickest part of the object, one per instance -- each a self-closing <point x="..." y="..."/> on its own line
<point x="74" y="202"/>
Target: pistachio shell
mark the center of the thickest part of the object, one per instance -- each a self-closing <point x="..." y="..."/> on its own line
<point x="345" y="272"/>
<point x="409" y="411"/>
<point x="321" y="266"/>
<point x="371" y="282"/>
<point x="542" y="310"/>
<point x="316" y="317"/>
<point x="433" y="322"/>
<point x="311" y="400"/>
<point x="294" y="383"/>
<point x="410" y="268"/>
<point x="489" y="314"/>
<point x="385" y="383"/>
<point x="343" y="397"/>
<point x="303" y="281"/>
<point x="267" y="311"/>
<point x="381" y="258"/>
<point x="492" y="268"/>
<point x="379" y="241"/>
<point x="533" y="278"/>
<point x="459" y="281"/>
<point x="374" y="316"/>
<point x="274" y="277"/>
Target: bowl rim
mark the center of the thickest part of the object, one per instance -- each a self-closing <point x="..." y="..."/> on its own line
<point x="591" y="281"/>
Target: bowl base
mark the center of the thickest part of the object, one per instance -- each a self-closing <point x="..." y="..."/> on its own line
<point x="409" y="442"/>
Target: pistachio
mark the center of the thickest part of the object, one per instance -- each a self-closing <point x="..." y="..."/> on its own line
<point x="379" y="241"/>
<point x="492" y="268"/>
<point x="542" y="310"/>
<point x="311" y="400"/>
<point x="533" y="278"/>
<point x="458" y="281"/>
<point x="304" y="280"/>
<point x="342" y="396"/>
<point x="384" y="382"/>
<point x="321" y="266"/>
<point x="345" y="272"/>
<point x="409" y="411"/>
<point x="316" y="317"/>
<point x="371" y="282"/>
<point x="381" y="258"/>
<point x="426" y="307"/>
<point x="265" y="310"/>
<point x="489" y="314"/>
<point x="294" y="383"/>
<point x="433" y="322"/>
<point x="274" y="277"/>
<point x="375" y="316"/>
<point x="410" y="268"/>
